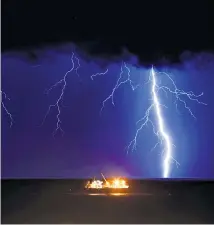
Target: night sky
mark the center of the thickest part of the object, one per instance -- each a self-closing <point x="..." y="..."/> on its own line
<point x="38" y="40"/>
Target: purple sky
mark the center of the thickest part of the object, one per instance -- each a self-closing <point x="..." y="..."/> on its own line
<point x="93" y="143"/>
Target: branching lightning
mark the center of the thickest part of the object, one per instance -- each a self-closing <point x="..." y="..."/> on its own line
<point x="59" y="101"/>
<point x="3" y="95"/>
<point x="119" y="82"/>
<point x="159" y="127"/>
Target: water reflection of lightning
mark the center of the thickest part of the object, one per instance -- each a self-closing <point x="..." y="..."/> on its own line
<point x="3" y="94"/>
<point x="59" y="100"/>
<point x="160" y="130"/>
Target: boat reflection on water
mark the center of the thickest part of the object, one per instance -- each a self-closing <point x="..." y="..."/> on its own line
<point x="118" y="194"/>
<point x="108" y="194"/>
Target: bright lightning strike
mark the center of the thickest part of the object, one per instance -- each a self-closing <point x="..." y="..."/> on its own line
<point x="3" y="94"/>
<point x="59" y="101"/>
<point x="159" y="129"/>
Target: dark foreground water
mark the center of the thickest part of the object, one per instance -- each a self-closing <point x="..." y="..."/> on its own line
<point x="64" y="201"/>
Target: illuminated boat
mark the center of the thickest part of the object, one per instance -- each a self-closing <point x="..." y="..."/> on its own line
<point x="107" y="185"/>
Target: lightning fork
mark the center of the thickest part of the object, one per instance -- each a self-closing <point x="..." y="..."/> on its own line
<point x="5" y="108"/>
<point x="119" y="82"/>
<point x="98" y="74"/>
<point x="59" y="101"/>
<point x="159" y="129"/>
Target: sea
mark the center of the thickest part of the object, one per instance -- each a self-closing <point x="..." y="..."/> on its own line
<point x="64" y="201"/>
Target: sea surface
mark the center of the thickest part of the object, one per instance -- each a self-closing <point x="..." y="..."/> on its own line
<point x="147" y="201"/>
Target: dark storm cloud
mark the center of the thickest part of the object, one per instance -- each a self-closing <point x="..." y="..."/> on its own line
<point x="84" y="51"/>
<point x="34" y="56"/>
<point x="203" y="61"/>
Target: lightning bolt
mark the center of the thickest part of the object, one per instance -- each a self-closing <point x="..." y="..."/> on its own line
<point x="59" y="101"/>
<point x="98" y="74"/>
<point x="5" y="108"/>
<point x="159" y="128"/>
<point x="119" y="82"/>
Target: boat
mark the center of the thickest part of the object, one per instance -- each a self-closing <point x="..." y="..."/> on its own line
<point x="113" y="185"/>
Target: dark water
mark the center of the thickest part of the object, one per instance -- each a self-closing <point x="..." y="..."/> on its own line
<point x="64" y="201"/>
